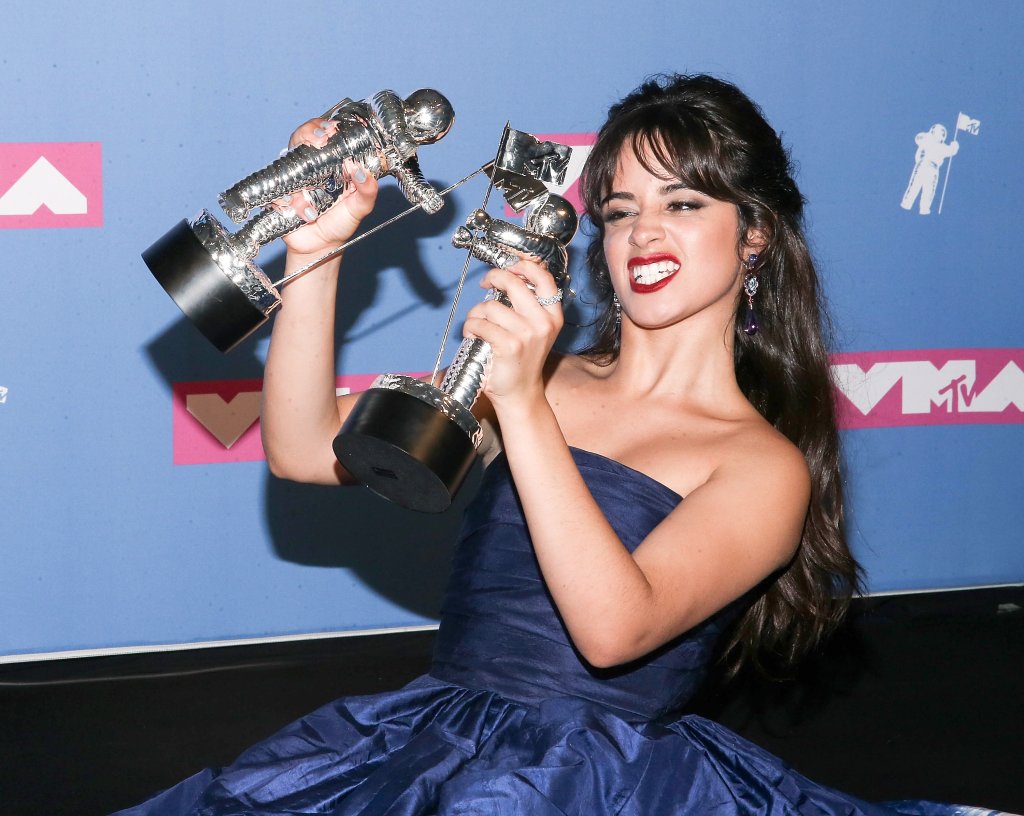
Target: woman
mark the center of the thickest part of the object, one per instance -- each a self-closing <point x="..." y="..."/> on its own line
<point x="588" y="597"/>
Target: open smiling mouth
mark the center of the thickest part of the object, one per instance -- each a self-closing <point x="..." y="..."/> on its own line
<point x="652" y="273"/>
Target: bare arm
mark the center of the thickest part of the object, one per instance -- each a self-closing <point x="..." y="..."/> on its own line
<point x="737" y="528"/>
<point x="301" y="413"/>
<point x="722" y="540"/>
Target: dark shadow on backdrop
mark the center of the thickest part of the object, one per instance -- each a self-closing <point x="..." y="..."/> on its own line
<point x="581" y="307"/>
<point x="402" y="555"/>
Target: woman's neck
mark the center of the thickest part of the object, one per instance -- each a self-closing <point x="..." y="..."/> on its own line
<point x="687" y="360"/>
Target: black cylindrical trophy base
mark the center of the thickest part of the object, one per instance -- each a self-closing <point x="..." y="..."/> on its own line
<point x="405" y="450"/>
<point x="211" y="300"/>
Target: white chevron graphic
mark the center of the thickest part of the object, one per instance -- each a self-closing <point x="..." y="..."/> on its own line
<point x="43" y="184"/>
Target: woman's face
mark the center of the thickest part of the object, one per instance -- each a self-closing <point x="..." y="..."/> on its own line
<point x="671" y="251"/>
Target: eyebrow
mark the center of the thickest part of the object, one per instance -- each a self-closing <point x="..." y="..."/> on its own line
<point x="667" y="189"/>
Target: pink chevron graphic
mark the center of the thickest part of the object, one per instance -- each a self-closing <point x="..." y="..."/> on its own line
<point x="217" y="421"/>
<point x="51" y="184"/>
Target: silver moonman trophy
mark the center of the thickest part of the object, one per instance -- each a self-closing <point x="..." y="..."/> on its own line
<point x="412" y="442"/>
<point x="210" y="272"/>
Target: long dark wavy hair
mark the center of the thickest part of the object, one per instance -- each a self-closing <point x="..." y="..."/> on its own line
<point x="711" y="136"/>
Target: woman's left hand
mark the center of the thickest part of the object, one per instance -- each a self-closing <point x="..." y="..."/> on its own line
<point x="521" y="337"/>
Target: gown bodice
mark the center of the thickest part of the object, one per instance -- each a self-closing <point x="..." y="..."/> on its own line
<point x="501" y="631"/>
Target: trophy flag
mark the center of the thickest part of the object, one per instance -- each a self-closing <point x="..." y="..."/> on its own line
<point x="525" y="165"/>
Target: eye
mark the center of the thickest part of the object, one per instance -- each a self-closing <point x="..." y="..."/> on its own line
<point x="684" y="205"/>
<point x="611" y="216"/>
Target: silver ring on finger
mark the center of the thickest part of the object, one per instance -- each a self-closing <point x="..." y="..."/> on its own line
<point x="552" y="300"/>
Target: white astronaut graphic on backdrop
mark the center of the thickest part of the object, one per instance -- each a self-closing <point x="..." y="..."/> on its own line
<point x="932" y="151"/>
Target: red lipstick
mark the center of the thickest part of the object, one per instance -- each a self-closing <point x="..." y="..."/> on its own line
<point x="646" y="260"/>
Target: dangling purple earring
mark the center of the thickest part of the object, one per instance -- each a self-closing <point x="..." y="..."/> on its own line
<point x="750" y="283"/>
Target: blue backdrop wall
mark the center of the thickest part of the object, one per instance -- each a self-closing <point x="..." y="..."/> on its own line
<point x="136" y="510"/>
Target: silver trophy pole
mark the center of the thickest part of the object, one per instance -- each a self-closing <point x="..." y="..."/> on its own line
<point x="210" y="273"/>
<point x="412" y="442"/>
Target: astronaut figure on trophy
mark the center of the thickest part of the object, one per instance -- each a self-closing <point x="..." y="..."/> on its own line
<point x="210" y="272"/>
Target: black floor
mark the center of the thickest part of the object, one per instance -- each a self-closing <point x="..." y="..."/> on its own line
<point x="919" y="696"/>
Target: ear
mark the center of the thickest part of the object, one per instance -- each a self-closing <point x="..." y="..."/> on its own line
<point x="755" y="243"/>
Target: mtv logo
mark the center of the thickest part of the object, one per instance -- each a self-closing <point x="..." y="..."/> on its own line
<point x="929" y="387"/>
<point x="569" y="189"/>
<point x="51" y="184"/>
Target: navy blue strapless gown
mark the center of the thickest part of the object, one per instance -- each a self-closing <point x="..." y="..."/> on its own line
<point x="511" y="720"/>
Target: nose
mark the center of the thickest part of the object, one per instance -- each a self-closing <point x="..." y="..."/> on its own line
<point x="647" y="228"/>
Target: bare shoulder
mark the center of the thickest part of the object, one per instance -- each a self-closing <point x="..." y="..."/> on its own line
<point x="758" y="458"/>
<point x="760" y="447"/>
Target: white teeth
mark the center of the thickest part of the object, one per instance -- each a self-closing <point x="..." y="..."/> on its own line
<point x="652" y="273"/>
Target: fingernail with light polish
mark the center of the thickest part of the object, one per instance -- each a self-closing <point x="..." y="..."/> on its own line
<point x="360" y="175"/>
<point x="310" y="213"/>
<point x="319" y="132"/>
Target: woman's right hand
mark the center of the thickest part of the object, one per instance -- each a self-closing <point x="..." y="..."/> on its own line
<point x="329" y="231"/>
